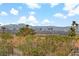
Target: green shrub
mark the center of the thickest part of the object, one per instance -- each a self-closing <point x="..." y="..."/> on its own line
<point x="6" y="35"/>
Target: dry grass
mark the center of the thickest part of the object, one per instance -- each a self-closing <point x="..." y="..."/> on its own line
<point x="52" y="45"/>
<point x="46" y="45"/>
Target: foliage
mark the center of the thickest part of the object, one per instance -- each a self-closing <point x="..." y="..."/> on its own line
<point x="46" y="45"/>
<point x="72" y="32"/>
<point x="35" y="45"/>
<point x="38" y="45"/>
<point x="5" y="47"/>
<point x="25" y="31"/>
<point x="73" y="28"/>
<point x="6" y="35"/>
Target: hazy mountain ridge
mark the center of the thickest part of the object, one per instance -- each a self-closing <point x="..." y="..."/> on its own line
<point x="13" y="28"/>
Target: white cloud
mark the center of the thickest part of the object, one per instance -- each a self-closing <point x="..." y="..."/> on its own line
<point x="14" y="11"/>
<point x="74" y="11"/>
<point x="71" y="1"/>
<point x="1" y="24"/>
<point x="31" y="20"/>
<point x="33" y="5"/>
<point x="53" y="4"/>
<point x="60" y="15"/>
<point x="22" y="19"/>
<point x="3" y="13"/>
<point x="71" y="13"/>
<point x="46" y="22"/>
<point x="72" y="8"/>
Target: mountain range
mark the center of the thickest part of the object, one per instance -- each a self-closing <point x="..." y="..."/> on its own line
<point x="13" y="28"/>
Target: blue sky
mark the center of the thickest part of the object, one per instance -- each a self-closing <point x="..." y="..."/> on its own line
<point x="39" y="14"/>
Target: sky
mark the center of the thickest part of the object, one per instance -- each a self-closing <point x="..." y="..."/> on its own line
<point x="39" y="14"/>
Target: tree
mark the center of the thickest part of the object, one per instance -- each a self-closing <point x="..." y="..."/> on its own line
<point x="27" y="26"/>
<point x="26" y="31"/>
<point x="72" y="32"/>
<point x="73" y="28"/>
<point x="3" y="29"/>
